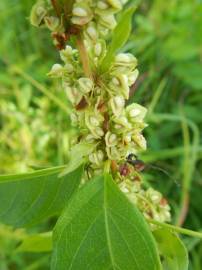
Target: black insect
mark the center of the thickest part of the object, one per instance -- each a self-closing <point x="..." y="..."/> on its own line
<point x="139" y="166"/>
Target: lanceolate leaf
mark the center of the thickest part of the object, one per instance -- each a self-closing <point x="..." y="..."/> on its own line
<point x="172" y="250"/>
<point x="101" y="229"/>
<point x="119" y="38"/>
<point x="41" y="242"/>
<point x="27" y="199"/>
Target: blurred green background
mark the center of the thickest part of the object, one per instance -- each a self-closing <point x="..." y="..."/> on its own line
<point x="35" y="128"/>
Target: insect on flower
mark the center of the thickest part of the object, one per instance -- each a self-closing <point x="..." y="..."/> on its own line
<point x="138" y="164"/>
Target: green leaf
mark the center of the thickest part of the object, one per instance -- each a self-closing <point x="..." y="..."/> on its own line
<point x="101" y="229"/>
<point x="120" y="36"/>
<point x="78" y="154"/>
<point x="27" y="199"/>
<point x="41" y="242"/>
<point x="173" y="252"/>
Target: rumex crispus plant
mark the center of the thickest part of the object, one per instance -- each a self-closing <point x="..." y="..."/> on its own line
<point x="107" y="217"/>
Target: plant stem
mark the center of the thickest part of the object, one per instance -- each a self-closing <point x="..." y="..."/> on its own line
<point x="84" y="56"/>
<point x="56" y="7"/>
<point x="176" y="228"/>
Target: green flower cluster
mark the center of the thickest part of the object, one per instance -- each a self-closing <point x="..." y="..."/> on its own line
<point x="150" y="202"/>
<point x="99" y="104"/>
<point x="97" y="17"/>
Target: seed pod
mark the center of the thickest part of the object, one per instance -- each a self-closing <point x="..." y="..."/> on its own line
<point x="139" y="139"/>
<point x="124" y="63"/>
<point x="85" y="85"/>
<point x="57" y="71"/>
<point x="117" y="105"/>
<point x="82" y="104"/>
<point x="100" y="49"/>
<point x="91" y="31"/>
<point x="125" y="59"/>
<point x="102" y="5"/>
<point x="38" y="13"/>
<point x="111" y="139"/>
<point x="119" y="85"/>
<point x="81" y="14"/>
<point x="122" y="122"/>
<point x="115" y="4"/>
<point x="113" y="153"/>
<point x="136" y="112"/>
<point x="67" y="53"/>
<point x="108" y="21"/>
<point x="93" y="123"/>
<point x="132" y="77"/>
<point x="73" y="95"/>
<point x="53" y="24"/>
<point x="97" y="157"/>
<point x="154" y="195"/>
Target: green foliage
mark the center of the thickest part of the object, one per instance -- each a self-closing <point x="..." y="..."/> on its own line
<point x="29" y="198"/>
<point x="172" y="250"/>
<point x="36" y="243"/>
<point x="167" y="42"/>
<point x="101" y="229"/>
